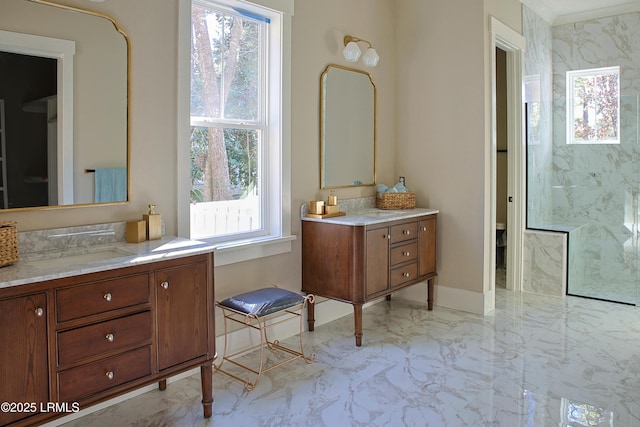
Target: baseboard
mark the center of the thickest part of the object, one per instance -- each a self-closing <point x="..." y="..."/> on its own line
<point x="464" y="300"/>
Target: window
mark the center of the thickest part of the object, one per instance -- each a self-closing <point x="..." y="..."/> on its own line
<point x="234" y="164"/>
<point x="593" y="103"/>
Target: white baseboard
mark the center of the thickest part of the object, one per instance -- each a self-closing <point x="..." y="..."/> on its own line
<point x="464" y="300"/>
<point x="453" y="298"/>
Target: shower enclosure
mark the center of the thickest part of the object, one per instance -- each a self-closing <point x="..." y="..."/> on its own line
<point x="589" y="190"/>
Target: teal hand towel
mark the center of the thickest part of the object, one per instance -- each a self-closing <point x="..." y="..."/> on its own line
<point x="111" y="185"/>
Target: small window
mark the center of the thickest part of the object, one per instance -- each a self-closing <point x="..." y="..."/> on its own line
<point x="593" y="105"/>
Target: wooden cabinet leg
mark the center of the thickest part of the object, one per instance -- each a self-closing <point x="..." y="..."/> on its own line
<point x="311" y="315"/>
<point x="206" y="378"/>
<point x="430" y="293"/>
<point x="357" y="317"/>
<point x="162" y="384"/>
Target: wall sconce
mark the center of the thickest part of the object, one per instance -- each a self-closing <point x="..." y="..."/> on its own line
<point x="352" y="52"/>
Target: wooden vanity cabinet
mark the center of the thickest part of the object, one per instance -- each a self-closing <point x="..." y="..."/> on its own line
<point x="111" y="332"/>
<point x="182" y="308"/>
<point x="24" y="370"/>
<point x="359" y="263"/>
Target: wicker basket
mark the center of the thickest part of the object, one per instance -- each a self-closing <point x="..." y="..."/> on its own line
<point x="396" y="200"/>
<point x="8" y="243"/>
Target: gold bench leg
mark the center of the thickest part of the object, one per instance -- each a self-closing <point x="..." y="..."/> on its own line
<point x="262" y="325"/>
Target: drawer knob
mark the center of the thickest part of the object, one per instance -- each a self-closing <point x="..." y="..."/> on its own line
<point x="424" y="228"/>
<point x="165" y="285"/>
<point x="406" y="253"/>
<point x="406" y="275"/>
<point x="109" y="375"/>
<point x="39" y="312"/>
<point x="109" y="337"/>
<point x="406" y="232"/>
<point x="107" y="296"/>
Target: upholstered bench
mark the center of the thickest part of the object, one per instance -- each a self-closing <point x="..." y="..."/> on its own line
<point x="260" y="310"/>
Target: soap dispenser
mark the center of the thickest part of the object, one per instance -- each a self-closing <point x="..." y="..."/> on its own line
<point x="154" y="223"/>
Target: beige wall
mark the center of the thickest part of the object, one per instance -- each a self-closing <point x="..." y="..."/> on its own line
<point x="319" y="29"/>
<point x="443" y="138"/>
<point x="432" y="124"/>
<point x="440" y="143"/>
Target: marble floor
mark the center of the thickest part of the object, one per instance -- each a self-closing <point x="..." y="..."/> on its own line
<point x="536" y="361"/>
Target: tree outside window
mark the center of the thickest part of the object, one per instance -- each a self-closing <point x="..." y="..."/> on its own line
<point x="593" y="104"/>
<point x="227" y="121"/>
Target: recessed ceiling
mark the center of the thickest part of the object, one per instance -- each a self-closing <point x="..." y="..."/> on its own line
<point x="564" y="11"/>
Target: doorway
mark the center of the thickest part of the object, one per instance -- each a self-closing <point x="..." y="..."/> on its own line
<point x="502" y="168"/>
<point x="507" y="153"/>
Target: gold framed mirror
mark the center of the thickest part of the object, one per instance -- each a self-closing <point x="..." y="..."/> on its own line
<point x="348" y="111"/>
<point x="66" y="134"/>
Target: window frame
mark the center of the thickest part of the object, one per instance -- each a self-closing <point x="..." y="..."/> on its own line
<point x="277" y="202"/>
<point x="571" y="76"/>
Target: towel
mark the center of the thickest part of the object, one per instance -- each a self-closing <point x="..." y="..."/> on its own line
<point x="111" y="185"/>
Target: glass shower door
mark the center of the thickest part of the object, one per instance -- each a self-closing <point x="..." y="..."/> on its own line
<point x="602" y="200"/>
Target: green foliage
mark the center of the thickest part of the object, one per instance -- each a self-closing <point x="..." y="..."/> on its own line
<point x="596" y="107"/>
<point x="241" y="102"/>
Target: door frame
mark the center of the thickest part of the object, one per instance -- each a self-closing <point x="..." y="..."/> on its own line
<point x="513" y="44"/>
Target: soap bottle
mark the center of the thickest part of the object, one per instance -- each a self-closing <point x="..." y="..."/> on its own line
<point x="332" y="200"/>
<point x="332" y="204"/>
<point x="154" y="223"/>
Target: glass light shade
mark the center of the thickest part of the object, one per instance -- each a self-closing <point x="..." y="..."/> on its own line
<point x="370" y="57"/>
<point x="351" y="52"/>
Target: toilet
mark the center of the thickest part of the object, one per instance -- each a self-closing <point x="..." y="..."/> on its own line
<point x="501" y="243"/>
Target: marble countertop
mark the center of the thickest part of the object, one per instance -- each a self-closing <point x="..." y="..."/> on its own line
<point x="374" y="216"/>
<point x="35" y="267"/>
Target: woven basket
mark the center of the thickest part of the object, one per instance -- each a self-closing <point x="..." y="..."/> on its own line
<point x="8" y="243"/>
<point x="396" y="201"/>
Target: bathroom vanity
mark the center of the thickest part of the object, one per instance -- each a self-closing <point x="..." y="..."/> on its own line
<point x="87" y="327"/>
<point x="366" y="255"/>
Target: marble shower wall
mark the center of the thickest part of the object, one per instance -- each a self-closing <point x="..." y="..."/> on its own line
<point x="597" y="185"/>
<point x="593" y="187"/>
<point x="545" y="262"/>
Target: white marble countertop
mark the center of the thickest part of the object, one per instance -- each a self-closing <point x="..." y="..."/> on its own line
<point x="36" y="267"/>
<point x="374" y="216"/>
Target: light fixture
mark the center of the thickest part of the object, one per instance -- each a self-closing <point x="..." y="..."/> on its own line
<point x="352" y="52"/>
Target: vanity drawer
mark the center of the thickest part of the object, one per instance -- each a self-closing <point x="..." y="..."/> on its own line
<point x="95" y="377"/>
<point x="404" y="274"/>
<point x="402" y="232"/>
<point x="103" y="296"/>
<point x="404" y="253"/>
<point x="92" y="340"/>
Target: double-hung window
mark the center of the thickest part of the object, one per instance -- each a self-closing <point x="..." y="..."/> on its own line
<point x="238" y="138"/>
<point x="593" y="106"/>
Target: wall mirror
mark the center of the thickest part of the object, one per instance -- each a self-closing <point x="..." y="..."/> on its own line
<point x="64" y="106"/>
<point x="347" y="128"/>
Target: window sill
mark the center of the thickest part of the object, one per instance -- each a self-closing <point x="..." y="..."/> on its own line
<point x="247" y="250"/>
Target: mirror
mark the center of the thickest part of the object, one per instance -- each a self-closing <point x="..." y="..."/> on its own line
<point x="347" y="128"/>
<point x="64" y="107"/>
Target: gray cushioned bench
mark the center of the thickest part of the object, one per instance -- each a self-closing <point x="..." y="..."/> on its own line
<point x="260" y="310"/>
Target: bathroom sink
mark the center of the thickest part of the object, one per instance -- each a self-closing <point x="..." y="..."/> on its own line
<point x="58" y="259"/>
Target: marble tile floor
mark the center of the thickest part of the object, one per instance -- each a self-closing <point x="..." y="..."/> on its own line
<point x="535" y="361"/>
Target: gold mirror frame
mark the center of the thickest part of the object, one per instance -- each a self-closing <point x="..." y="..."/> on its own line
<point x="323" y="124"/>
<point x="121" y="31"/>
